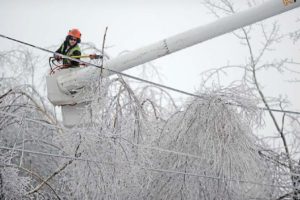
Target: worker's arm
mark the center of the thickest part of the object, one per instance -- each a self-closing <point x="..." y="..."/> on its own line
<point x="59" y="50"/>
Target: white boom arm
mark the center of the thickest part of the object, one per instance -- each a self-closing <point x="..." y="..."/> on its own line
<point x="181" y="41"/>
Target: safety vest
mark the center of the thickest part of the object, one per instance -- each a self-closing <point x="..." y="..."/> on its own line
<point x="66" y="61"/>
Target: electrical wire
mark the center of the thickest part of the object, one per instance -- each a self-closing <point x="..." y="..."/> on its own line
<point x="134" y="77"/>
<point x="142" y="146"/>
<point x="147" y="168"/>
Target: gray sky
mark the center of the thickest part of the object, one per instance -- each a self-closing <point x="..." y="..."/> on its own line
<point x="134" y="23"/>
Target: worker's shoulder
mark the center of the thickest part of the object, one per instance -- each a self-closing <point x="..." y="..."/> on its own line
<point x="76" y="48"/>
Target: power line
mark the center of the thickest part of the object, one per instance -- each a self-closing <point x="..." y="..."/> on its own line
<point x="147" y="168"/>
<point x="154" y="148"/>
<point x="133" y="77"/>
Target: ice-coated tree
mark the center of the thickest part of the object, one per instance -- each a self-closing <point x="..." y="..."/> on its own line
<point x="137" y="142"/>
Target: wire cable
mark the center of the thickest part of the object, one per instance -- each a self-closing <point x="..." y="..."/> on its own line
<point x="133" y="77"/>
<point x="142" y="146"/>
<point x="147" y="168"/>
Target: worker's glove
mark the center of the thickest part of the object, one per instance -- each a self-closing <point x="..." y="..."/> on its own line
<point x="57" y="57"/>
<point x="94" y="56"/>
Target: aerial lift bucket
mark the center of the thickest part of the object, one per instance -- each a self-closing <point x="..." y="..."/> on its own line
<point x="74" y="102"/>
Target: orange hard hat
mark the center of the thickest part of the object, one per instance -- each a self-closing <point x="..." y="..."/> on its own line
<point x="75" y="33"/>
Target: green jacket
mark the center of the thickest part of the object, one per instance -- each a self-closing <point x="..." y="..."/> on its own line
<point x="69" y="51"/>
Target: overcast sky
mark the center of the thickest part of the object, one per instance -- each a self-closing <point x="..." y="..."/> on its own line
<point x="134" y="23"/>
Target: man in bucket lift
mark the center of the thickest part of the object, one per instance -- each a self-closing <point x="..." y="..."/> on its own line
<point x="70" y="48"/>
